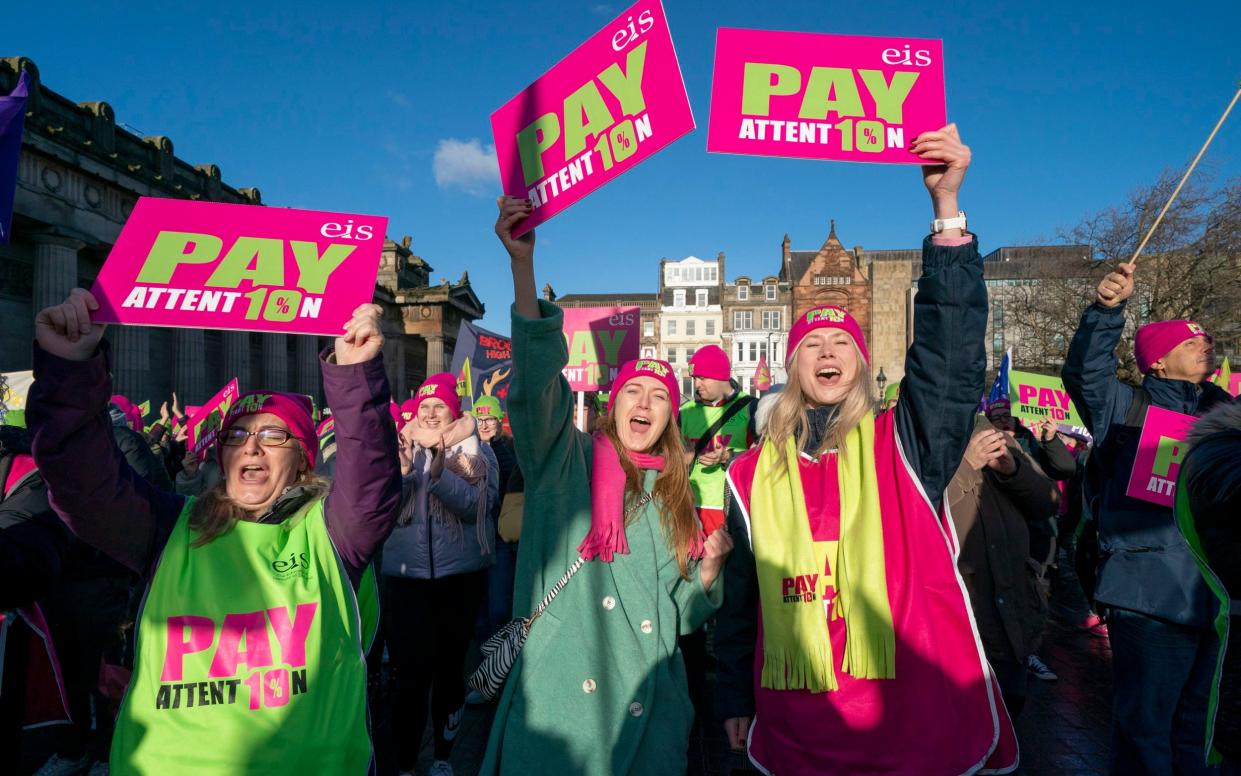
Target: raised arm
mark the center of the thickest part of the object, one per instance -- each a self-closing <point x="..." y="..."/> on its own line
<point x="362" y="505"/>
<point x="946" y="364"/>
<point x="540" y="403"/>
<point x="1089" y="370"/>
<point x="92" y="488"/>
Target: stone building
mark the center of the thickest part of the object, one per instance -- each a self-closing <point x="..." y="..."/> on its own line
<point x="756" y="323"/>
<point x="421" y="320"/>
<point x="79" y="176"/>
<point x="691" y="312"/>
<point x="829" y="275"/>
<point x="1008" y="273"/>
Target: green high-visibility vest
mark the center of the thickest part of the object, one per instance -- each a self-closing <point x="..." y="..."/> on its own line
<point x="250" y="657"/>
<point x="707" y="482"/>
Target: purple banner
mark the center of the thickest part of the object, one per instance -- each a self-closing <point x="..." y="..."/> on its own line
<point x="12" y="118"/>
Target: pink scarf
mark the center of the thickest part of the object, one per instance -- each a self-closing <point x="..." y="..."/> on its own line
<point x="607" y="502"/>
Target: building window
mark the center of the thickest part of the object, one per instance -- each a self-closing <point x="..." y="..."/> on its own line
<point x="690" y="327"/>
<point x="678" y="297"/>
<point x="771" y="320"/>
<point x="672" y="325"/>
<point x="743" y="293"/>
<point x="700" y="297"/>
<point x="710" y="328"/>
<point x="753" y="351"/>
<point x="648" y="328"/>
<point x="648" y="352"/>
<point x="830" y="280"/>
<point x="743" y="320"/>
<point x="771" y="292"/>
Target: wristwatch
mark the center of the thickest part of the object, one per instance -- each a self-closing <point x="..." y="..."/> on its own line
<point x="940" y="224"/>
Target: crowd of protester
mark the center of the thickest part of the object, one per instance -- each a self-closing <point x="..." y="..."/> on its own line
<point x="867" y="581"/>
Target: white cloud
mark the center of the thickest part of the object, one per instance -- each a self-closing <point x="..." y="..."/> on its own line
<point x="466" y="165"/>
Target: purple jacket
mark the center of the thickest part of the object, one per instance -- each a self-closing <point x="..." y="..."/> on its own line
<point x="100" y="499"/>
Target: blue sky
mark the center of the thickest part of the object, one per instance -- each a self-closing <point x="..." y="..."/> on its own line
<point x="1067" y="106"/>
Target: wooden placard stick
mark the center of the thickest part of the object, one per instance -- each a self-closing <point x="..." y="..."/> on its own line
<point x="1185" y="177"/>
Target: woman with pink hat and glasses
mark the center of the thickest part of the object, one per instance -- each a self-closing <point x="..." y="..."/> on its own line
<point x="252" y="634"/>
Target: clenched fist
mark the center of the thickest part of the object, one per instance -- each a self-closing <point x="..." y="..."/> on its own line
<point x="363" y="338"/>
<point x="65" y="329"/>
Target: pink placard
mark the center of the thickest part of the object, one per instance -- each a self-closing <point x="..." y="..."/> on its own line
<point x="600" y="341"/>
<point x="1160" y="450"/>
<point x="205" y="423"/>
<point x="612" y="103"/>
<point x="212" y="265"/>
<point x="806" y="95"/>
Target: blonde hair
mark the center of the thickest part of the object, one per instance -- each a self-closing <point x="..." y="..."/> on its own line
<point x="672" y="491"/>
<point x="790" y="417"/>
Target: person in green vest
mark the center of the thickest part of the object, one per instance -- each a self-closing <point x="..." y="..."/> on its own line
<point x="715" y="426"/>
<point x="599" y="687"/>
<point x="259" y="606"/>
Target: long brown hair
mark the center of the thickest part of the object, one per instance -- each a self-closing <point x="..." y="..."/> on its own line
<point x="790" y="416"/>
<point x="671" y="493"/>
<point x="214" y="513"/>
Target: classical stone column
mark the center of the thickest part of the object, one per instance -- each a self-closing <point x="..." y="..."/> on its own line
<point x="275" y="362"/>
<point x="55" y="268"/>
<point x="189" y="368"/>
<point x="399" y="387"/>
<point x="308" y="365"/>
<point x="435" y="353"/>
<point x="131" y="360"/>
<point x="237" y="358"/>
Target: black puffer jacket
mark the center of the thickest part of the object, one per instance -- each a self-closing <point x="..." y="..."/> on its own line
<point x="1212" y="483"/>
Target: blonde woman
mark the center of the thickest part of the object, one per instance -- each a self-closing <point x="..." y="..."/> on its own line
<point x="845" y="641"/>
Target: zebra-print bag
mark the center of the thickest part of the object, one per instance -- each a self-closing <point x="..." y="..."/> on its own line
<point x="501" y="650"/>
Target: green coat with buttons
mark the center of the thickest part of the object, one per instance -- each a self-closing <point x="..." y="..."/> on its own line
<point x="600" y="686"/>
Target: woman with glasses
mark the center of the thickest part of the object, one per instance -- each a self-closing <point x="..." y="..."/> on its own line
<point x="251" y="639"/>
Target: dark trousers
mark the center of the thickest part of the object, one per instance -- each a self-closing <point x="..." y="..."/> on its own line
<point x="1162" y="675"/>
<point x="497" y="610"/>
<point x="427" y="625"/>
<point x="1014" y="681"/>
<point x="13" y="690"/>
<point x="86" y="617"/>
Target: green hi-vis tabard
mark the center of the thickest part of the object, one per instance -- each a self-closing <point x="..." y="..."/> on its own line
<point x="250" y="657"/>
<point x="696" y="418"/>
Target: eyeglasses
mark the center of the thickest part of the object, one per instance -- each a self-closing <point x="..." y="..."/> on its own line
<point x="268" y="437"/>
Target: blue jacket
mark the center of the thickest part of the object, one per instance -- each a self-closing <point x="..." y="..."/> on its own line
<point x="423" y="546"/>
<point x="1144" y="563"/>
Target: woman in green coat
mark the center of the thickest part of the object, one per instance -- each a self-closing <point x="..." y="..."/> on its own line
<point x="599" y="687"/>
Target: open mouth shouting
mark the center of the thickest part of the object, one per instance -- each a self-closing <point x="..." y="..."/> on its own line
<point x="640" y="425"/>
<point x="254" y="474"/>
<point x="828" y="376"/>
